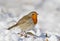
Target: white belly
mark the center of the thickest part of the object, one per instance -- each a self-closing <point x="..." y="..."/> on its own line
<point x="27" y="26"/>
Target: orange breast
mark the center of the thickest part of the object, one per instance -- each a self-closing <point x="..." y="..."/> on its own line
<point x="34" y="18"/>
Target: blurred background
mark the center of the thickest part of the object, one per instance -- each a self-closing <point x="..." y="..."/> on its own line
<point x="12" y="10"/>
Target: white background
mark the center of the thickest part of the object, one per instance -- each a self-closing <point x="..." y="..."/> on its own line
<point x="48" y="19"/>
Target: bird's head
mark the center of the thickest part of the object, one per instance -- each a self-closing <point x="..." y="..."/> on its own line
<point x="33" y="15"/>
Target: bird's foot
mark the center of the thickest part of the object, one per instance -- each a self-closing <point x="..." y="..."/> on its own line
<point x="21" y="35"/>
<point x="26" y="34"/>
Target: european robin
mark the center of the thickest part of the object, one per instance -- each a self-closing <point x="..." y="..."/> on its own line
<point x="27" y="22"/>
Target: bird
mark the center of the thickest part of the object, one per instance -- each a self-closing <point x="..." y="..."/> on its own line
<point x="27" y="22"/>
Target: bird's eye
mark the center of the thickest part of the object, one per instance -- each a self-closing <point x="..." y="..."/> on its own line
<point x="32" y="14"/>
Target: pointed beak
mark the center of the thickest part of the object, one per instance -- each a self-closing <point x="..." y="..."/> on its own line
<point x="37" y="14"/>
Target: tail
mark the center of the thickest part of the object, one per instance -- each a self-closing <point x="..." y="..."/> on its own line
<point x="12" y="26"/>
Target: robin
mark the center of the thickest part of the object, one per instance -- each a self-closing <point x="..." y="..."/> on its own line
<point x="27" y="22"/>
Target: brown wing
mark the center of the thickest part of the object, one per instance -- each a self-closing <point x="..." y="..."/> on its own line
<point x="23" y="20"/>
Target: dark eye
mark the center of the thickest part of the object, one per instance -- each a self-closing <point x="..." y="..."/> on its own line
<point x="32" y="14"/>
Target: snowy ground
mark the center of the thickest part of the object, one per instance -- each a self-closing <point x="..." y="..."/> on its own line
<point x="48" y="19"/>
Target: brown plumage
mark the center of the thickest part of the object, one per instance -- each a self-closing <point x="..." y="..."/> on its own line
<point x="27" y="22"/>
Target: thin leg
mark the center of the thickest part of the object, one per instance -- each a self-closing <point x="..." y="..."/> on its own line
<point x="22" y="34"/>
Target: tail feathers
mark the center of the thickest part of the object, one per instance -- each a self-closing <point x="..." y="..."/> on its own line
<point x="12" y="26"/>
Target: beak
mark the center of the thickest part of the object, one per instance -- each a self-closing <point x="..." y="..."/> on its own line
<point x="37" y="14"/>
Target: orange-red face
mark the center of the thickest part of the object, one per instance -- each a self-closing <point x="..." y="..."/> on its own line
<point x="34" y="17"/>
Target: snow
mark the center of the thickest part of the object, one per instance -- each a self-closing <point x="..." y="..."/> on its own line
<point x="53" y="38"/>
<point x="48" y="19"/>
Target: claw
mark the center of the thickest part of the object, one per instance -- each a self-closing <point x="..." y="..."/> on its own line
<point x="21" y="34"/>
<point x="25" y="35"/>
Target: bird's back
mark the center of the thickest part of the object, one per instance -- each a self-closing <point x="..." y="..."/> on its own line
<point x="23" y="20"/>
